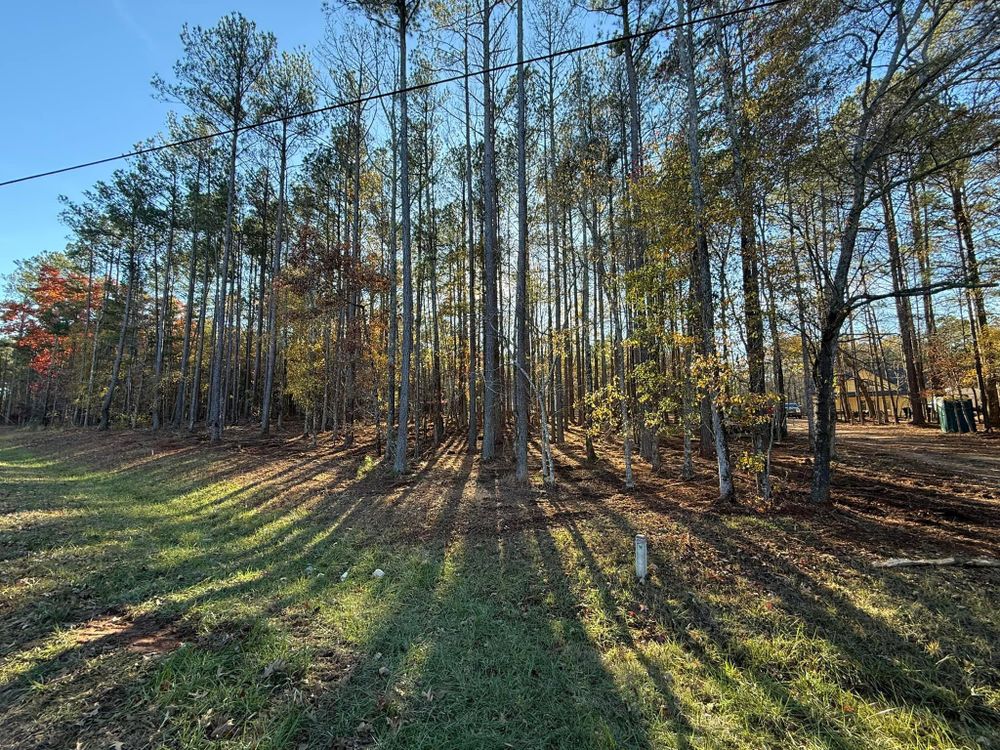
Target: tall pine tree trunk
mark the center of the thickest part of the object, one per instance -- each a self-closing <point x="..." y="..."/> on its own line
<point x="984" y="372"/>
<point x="904" y="313"/>
<point x="216" y="407"/>
<point x="473" y="431"/>
<point x="491" y="315"/>
<point x="399" y="459"/>
<point x="521" y="309"/>
<point x="122" y="335"/>
<point x="702" y="263"/>
<point x="272" y="305"/>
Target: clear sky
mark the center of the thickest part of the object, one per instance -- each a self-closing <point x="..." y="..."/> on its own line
<point x="75" y="86"/>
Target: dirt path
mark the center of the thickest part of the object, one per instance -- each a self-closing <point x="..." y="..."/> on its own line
<point x="900" y="489"/>
<point x="972" y="459"/>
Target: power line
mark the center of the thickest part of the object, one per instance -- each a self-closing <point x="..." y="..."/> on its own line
<point x="415" y="87"/>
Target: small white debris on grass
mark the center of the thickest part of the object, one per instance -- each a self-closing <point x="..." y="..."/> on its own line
<point x="343" y="576"/>
<point x="378" y="573"/>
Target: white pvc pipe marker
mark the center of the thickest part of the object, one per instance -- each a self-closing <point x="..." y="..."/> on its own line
<point x="641" y="557"/>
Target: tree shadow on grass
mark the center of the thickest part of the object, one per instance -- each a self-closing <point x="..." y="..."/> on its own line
<point x="485" y="638"/>
<point x="486" y="650"/>
<point x="884" y="666"/>
<point x="134" y="575"/>
<point x="129" y="521"/>
<point x="668" y="611"/>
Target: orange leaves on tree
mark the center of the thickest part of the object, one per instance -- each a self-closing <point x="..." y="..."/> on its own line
<point x="42" y="321"/>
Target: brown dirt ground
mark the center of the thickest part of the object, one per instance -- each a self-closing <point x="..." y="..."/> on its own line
<point x="898" y="490"/>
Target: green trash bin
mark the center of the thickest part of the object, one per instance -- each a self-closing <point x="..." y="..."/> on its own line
<point x="970" y="414"/>
<point x="957" y="416"/>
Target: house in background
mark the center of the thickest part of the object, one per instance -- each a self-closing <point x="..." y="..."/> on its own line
<point x="872" y="397"/>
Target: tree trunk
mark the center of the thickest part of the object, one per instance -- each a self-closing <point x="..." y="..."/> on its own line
<point x="122" y="334"/>
<point x="985" y="373"/>
<point x="703" y="271"/>
<point x="491" y="321"/>
<point x="393" y="336"/>
<point x="196" y="379"/>
<point x="216" y="408"/>
<point x="272" y="305"/>
<point x="473" y="431"/>
<point x="163" y="328"/>
<point x="399" y="459"/>
<point x="904" y="312"/>
<point x="521" y="310"/>
<point x="188" y="315"/>
<point x="743" y="190"/>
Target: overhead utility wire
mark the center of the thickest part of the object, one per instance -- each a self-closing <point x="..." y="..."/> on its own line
<point x="382" y="95"/>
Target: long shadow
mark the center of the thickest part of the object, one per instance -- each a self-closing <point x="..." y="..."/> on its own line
<point x="862" y="637"/>
<point x="70" y="603"/>
<point x="476" y="601"/>
<point x="147" y="580"/>
<point x="486" y="659"/>
<point x="675" y="622"/>
<point x="866" y="639"/>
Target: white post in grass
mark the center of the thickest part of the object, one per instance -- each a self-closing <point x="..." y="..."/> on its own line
<point x="641" y="557"/>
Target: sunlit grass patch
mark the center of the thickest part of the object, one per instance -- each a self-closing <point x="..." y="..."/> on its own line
<point x="223" y="685"/>
<point x="368" y="463"/>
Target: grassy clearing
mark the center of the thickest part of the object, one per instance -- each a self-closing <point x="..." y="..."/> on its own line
<point x="175" y="602"/>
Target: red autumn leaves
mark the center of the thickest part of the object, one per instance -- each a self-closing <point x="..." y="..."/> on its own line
<point x="51" y="300"/>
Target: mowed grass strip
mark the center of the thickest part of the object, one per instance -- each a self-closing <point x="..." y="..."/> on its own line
<point x="172" y="605"/>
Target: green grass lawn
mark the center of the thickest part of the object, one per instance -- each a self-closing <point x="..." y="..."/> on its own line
<point x="175" y="601"/>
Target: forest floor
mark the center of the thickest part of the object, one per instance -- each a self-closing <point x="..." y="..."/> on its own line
<point x="156" y="591"/>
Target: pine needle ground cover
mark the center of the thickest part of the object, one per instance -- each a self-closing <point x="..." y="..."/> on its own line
<point x="158" y="593"/>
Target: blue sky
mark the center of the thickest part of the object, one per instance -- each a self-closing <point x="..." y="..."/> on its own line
<point x="75" y="86"/>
